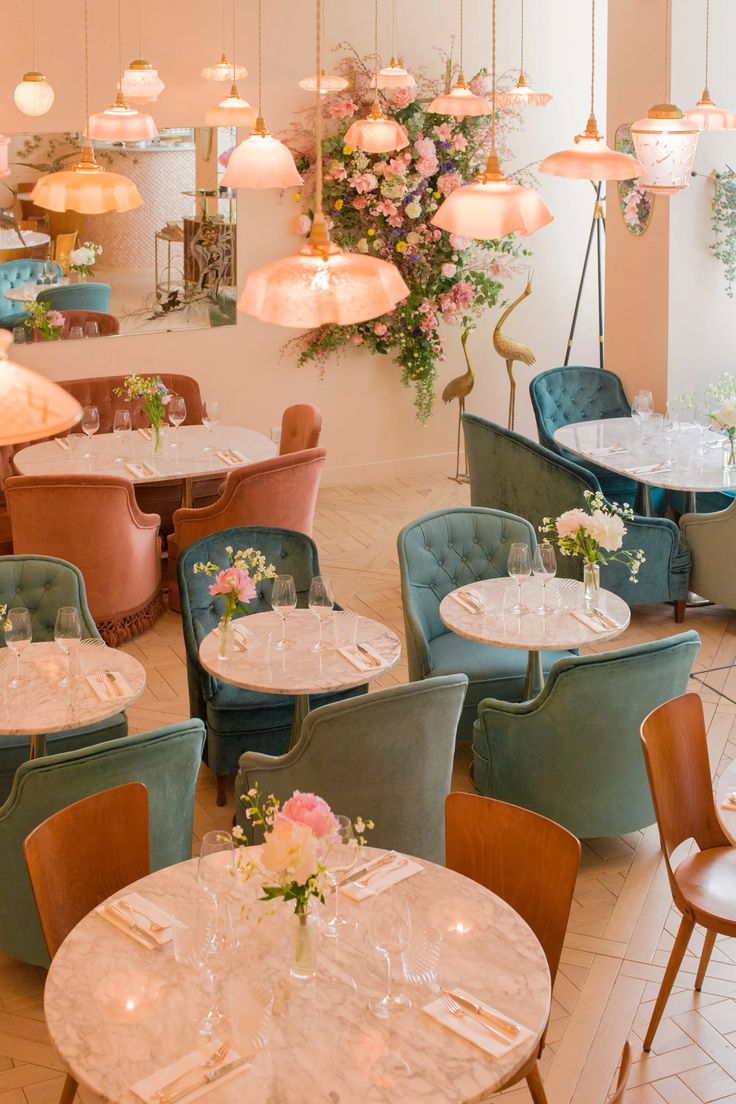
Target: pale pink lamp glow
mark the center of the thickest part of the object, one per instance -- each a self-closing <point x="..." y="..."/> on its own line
<point x="121" y="123"/>
<point x="522" y="95"/>
<point x="591" y="159"/>
<point x="261" y="161"/>
<point x="328" y="82"/>
<point x="393" y="75"/>
<point x="376" y="133"/>
<point x="492" y="207"/>
<point x="34" y="95"/>
<point x="87" y="188"/>
<point x="460" y="102"/>
<point x="665" y="144"/>
<point x="32" y="406"/>
<point x="233" y="111"/>
<point x="4" y="167"/>
<point x="706" y="116"/>
<point x="224" y="70"/>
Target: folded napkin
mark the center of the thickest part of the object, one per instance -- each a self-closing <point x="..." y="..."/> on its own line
<point x="382" y="878"/>
<point x="194" y="1066"/>
<point x="231" y="457"/>
<point x="145" y="433"/>
<point x="362" y="662"/>
<point x="62" y="443"/>
<point x="469" y="599"/>
<point x="144" y="916"/>
<point x="648" y="469"/>
<point x="140" y="471"/>
<point x="608" y="450"/>
<point x="471" y="1027"/>
<point x="109" y="689"/>
<point x="730" y="802"/>
<point x="592" y="622"/>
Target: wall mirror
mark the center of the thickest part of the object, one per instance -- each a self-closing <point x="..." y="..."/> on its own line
<point x="168" y="265"/>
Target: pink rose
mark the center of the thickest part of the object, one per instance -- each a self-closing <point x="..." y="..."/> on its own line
<point x="457" y="241"/>
<point x="312" y="811"/>
<point x="380" y="330"/>
<point x="356" y="339"/>
<point x="427" y="166"/>
<point x="360" y="202"/>
<point x="363" y="182"/>
<point x="233" y="580"/>
<point x="379" y="167"/>
<point x="443" y="132"/>
<point x="448" y="270"/>
<point x="342" y="109"/>
<point x="402" y="97"/>
<point x="425" y="147"/>
<point x="225" y="156"/>
<point x="56" y="318"/>
<point x="448" y="182"/>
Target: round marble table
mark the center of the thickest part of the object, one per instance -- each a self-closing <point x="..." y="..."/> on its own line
<point x="183" y="455"/>
<point x="727" y="785"/>
<point x="39" y="705"/>
<point x="532" y="632"/>
<point x="117" y="1012"/>
<point x="616" y="444"/>
<point x="298" y="671"/>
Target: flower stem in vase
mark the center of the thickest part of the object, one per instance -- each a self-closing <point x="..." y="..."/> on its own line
<point x="591" y="583"/>
<point x="304" y="964"/>
<point x="157" y="438"/>
<point x="225" y="639"/>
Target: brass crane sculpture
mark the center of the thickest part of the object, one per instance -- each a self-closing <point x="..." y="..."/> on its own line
<point x="459" y="388"/>
<point x="510" y="350"/>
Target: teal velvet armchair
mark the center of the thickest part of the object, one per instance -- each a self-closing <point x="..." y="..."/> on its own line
<point x="438" y="553"/>
<point x="386" y="756"/>
<point x="43" y="584"/>
<point x="573" y="753"/>
<point x="166" y="761"/>
<point x="510" y="472"/>
<point x="241" y="720"/>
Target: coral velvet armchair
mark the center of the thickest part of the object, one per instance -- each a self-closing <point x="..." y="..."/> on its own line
<point x="301" y="426"/>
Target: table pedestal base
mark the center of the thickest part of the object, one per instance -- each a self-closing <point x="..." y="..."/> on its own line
<point x="534" y="680"/>
<point x="37" y="747"/>
<point x="301" y="708"/>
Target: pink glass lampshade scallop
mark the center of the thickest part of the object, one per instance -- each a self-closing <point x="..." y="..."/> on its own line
<point x="261" y="161"/>
<point x="708" y="116"/>
<point x="32" y="406"/>
<point x="492" y="207"/>
<point x="121" y="123"/>
<point x="393" y="75"/>
<point x="460" y="102"/>
<point x="233" y="111"/>
<point x="376" y="133"/>
<point x="589" y="158"/>
<point x="328" y="82"/>
<point x="522" y="95"/>
<point x="224" y="70"/>
<point x="86" y="188"/>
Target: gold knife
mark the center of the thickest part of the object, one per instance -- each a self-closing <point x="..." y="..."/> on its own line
<point x="146" y="936"/>
<point x="498" y="1022"/>
<point x="367" y="867"/>
<point x="204" y="1080"/>
<point x="111" y="679"/>
<point x="368" y="655"/>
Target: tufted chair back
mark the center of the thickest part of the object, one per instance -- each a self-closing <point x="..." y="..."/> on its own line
<point x="107" y="324"/>
<point x="448" y="549"/>
<point x="89" y="296"/>
<point x="14" y="274"/>
<point x="100" y="391"/>
<point x="301" y="426"/>
<point x="562" y="396"/>
<point x="43" y="584"/>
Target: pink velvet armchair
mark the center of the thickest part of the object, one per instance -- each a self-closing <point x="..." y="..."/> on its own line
<point x="93" y="521"/>
<point x="281" y="492"/>
<point x="301" y="426"/>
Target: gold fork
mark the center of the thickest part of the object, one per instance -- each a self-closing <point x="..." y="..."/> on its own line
<point x="457" y="1010"/>
<point x="214" y="1059"/>
<point x="153" y="925"/>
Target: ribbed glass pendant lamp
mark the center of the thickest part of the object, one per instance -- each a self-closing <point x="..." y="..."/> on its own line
<point x="141" y="82"/>
<point x="32" y="406"/>
<point x="233" y="110"/>
<point x="590" y="158"/>
<point x="224" y="69"/>
<point x="328" y="82"/>
<point x="261" y="161"/>
<point x="376" y="132"/>
<point x="522" y="95"/>
<point x="121" y="122"/>
<point x="393" y="75"/>
<point x="460" y="101"/>
<point x="34" y="95"/>
<point x="322" y="285"/>
<point x="492" y="206"/>
<point x="705" y="115"/>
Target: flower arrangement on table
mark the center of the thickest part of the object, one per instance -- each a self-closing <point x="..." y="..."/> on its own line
<point x="236" y="583"/>
<point x="83" y="259"/>
<point x="721" y="397"/>
<point x="47" y="323"/>
<point x="382" y="205"/>
<point x="595" y="534"/>
<point x="155" y="397"/>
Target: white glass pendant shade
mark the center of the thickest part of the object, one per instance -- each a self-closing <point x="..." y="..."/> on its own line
<point x="376" y="133"/>
<point x="328" y="82"/>
<point x="492" y="207"/>
<point x="32" y="406"/>
<point x="121" y="123"/>
<point x="261" y="161"/>
<point x="460" y="102"/>
<point x="141" y="82"/>
<point x="707" y="116"/>
<point x="87" y="188"/>
<point x="665" y="143"/>
<point x="4" y="144"/>
<point x="34" y="95"/>
<point x="589" y="158"/>
<point x="393" y="75"/>
<point x="224" y="70"/>
<point x="233" y="111"/>
<point x="522" y="95"/>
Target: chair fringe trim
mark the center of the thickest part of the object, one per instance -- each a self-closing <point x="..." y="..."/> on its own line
<point x="116" y="630"/>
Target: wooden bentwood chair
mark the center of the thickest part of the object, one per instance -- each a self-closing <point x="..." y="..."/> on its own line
<point x="623" y="1075"/>
<point x="531" y="863"/>
<point x="676" y="756"/>
<point x="80" y="856"/>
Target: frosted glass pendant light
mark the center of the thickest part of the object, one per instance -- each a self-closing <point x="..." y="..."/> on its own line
<point x="376" y="132"/>
<point x="141" y="82"/>
<point x="34" y="95"/>
<point x="460" y="101"/>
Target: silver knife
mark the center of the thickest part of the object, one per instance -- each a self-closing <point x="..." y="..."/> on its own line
<point x="367" y="867"/>
<point x="206" y="1079"/>
<point x="498" y="1022"/>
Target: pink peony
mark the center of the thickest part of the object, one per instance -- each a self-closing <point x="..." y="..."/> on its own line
<point x="402" y="97"/>
<point x="233" y="580"/>
<point x="427" y="166"/>
<point x="312" y="811"/>
<point x="290" y="850"/>
<point x="56" y="318"/>
<point x="363" y="182"/>
<point x="448" y="182"/>
<point x="444" y="132"/>
<point x="380" y="330"/>
<point x="448" y="270"/>
<point x="425" y="147"/>
<point x="457" y="241"/>
<point x="342" y="109"/>
<point x="360" y="202"/>
<point x="569" y="522"/>
<point x="459" y="142"/>
<point x="356" y="339"/>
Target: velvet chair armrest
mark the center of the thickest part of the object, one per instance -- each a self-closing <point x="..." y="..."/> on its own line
<point x="665" y="574"/>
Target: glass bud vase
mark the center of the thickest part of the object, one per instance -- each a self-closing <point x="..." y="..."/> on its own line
<point x="304" y="952"/>
<point x="591" y="583"/>
<point x="729" y="453"/>
<point x="157" y="437"/>
<point x="225" y="639"/>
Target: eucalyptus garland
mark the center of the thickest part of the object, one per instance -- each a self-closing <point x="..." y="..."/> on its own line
<point x="723" y="223"/>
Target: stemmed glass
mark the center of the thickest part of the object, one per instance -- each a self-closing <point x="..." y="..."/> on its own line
<point x="339" y="857"/>
<point x="90" y="424"/>
<point x="210" y="418"/>
<point x="320" y="603"/>
<point x="389" y="930"/>
<point x="544" y="567"/>
<point x="519" y="567"/>
<point x="194" y="946"/>
<point x="177" y="412"/>
<point x="642" y="408"/>
<point x="283" y="601"/>
<point x="66" y="630"/>
<point x="18" y="635"/>
<point x="121" y="427"/>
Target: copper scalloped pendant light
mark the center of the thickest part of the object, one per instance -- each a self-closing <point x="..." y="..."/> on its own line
<point x="34" y="95"/>
<point x="393" y="75"/>
<point x="86" y="187"/>
<point x="590" y="158"/>
<point x="522" y="94"/>
<point x="32" y="406"/>
<point x="376" y="132"/>
<point x="492" y="206"/>
<point x="460" y="101"/>
<point x="121" y="122"/>
<point x="141" y="82"/>
<point x="706" y="115"/>
<point x="328" y="82"/>
<point x="224" y="69"/>
<point x="261" y="161"/>
<point x="322" y="285"/>
<point x="233" y="110"/>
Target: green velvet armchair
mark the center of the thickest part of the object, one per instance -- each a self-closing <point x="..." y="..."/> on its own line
<point x="166" y="761"/>
<point x="43" y="584"/>
<point x="387" y="756"/>
<point x="710" y="537"/>
<point x="438" y="553"/>
<point x="510" y="472"/>
<point x="573" y="753"/>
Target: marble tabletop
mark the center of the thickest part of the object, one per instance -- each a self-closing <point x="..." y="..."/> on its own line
<point x="183" y="454"/>
<point x="298" y="670"/>
<point x="30" y="291"/>
<point x="117" y="1012"/>
<point x="595" y="440"/>
<point x="726" y="785"/>
<point x="532" y="631"/>
<point x="39" y="705"/>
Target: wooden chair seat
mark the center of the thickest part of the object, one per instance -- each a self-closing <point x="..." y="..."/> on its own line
<point x="707" y="881"/>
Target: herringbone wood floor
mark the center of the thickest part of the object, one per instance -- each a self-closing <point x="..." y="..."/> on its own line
<point x="622" y="922"/>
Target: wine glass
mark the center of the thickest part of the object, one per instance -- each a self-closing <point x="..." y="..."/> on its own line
<point x="283" y="601"/>
<point x="544" y="566"/>
<point x="642" y="408"/>
<point x="91" y="329"/>
<point x="18" y="635"/>
<point x="320" y="602"/>
<point x="389" y="930"/>
<point x="210" y="418"/>
<point x="519" y="567"/>
<point x="75" y="333"/>
<point x="121" y="427"/>
<point x="90" y="424"/>
<point x="207" y="945"/>
<point x="216" y="866"/>
<point x="339" y="857"/>
<point x="177" y="412"/>
<point x="67" y="630"/>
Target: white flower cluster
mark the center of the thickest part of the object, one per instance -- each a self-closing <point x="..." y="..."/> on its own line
<point x="252" y="561"/>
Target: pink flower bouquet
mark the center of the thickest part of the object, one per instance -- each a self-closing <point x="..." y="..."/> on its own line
<point x="595" y="533"/>
<point x="236" y="583"/>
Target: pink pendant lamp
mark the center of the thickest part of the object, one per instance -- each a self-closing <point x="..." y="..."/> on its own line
<point x="493" y="206"/>
<point x="376" y="133"/>
<point x="393" y="75"/>
<point x="141" y="82"/>
<point x="705" y="115"/>
<point x="460" y="101"/>
<point x="322" y="285"/>
<point x="120" y="122"/>
<point x="590" y="158"/>
<point x="32" y="406"/>
<point x="327" y="82"/>
<point x="522" y="95"/>
<point x="224" y="69"/>
<point x="233" y="110"/>
<point x="261" y="161"/>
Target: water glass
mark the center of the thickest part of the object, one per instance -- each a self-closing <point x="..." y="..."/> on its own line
<point x="338" y="859"/>
<point x="19" y="334"/>
<point x="91" y="329"/>
<point x="544" y="567"/>
<point x="421" y="959"/>
<point x="283" y="601"/>
<point x="321" y="603"/>
<point x="177" y="412"/>
<point x="90" y="424"/>
<point x="211" y="419"/>
<point x="642" y="408"/>
<point x="75" y="333"/>
<point x="67" y="635"/>
<point x="389" y="930"/>
<point x="18" y="635"/>
<point x="122" y="428"/>
<point x="682" y="453"/>
<point x="519" y="567"/>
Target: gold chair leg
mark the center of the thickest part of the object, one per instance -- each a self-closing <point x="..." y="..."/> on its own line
<point x="710" y="938"/>
<point x="678" y="951"/>
<point x="536" y="1086"/>
<point x="69" y="1091"/>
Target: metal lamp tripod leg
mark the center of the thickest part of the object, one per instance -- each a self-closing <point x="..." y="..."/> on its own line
<point x="598" y="224"/>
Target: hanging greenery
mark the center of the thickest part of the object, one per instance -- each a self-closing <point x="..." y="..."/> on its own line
<point x="723" y="222"/>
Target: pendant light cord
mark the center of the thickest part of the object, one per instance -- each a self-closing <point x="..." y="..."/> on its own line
<point x="592" y="59"/>
<point x="33" y="35"/>
<point x="393" y="30"/>
<point x="493" y="76"/>
<point x="521" y="64"/>
<point x="707" y="42"/>
<point x="120" y="44"/>
<point x="224" y="28"/>
<point x="318" y="116"/>
<point x="86" y="73"/>
<point x="462" y="36"/>
<point x="234" y="40"/>
<point x="375" y="45"/>
<point x="667" y="49"/>
<point x="140" y="28"/>
<point x="260" y="56"/>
